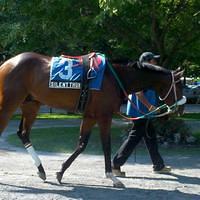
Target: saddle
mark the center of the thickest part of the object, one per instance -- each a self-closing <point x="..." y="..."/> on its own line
<point x="90" y="63"/>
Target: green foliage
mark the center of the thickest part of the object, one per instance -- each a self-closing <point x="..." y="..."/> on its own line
<point x="191" y="69"/>
<point x="172" y="131"/>
<point x="158" y="26"/>
<point x="119" y="28"/>
<point x="48" y="26"/>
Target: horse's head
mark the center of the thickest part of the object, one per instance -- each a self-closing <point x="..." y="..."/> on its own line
<point x="171" y="91"/>
<point x="166" y="83"/>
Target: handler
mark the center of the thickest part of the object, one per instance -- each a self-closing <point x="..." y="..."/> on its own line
<point x="142" y="128"/>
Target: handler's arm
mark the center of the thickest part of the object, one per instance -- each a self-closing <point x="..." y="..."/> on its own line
<point x="142" y="98"/>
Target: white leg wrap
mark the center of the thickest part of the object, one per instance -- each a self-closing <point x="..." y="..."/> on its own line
<point x="34" y="155"/>
<point x="116" y="182"/>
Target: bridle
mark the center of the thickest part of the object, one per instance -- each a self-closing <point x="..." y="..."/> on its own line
<point x="151" y="114"/>
<point x="172" y="108"/>
<point x="169" y="109"/>
<point x="172" y="86"/>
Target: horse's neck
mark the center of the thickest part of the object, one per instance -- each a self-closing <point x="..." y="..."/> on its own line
<point x="140" y="79"/>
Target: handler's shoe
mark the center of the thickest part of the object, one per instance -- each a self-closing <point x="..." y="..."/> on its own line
<point x="118" y="172"/>
<point x="164" y="170"/>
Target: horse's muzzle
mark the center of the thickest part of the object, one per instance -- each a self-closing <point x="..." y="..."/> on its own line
<point x="181" y="101"/>
<point x="181" y="106"/>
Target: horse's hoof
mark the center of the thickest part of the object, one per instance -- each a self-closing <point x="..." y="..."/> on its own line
<point x="42" y="175"/>
<point x="119" y="185"/>
<point x="59" y="177"/>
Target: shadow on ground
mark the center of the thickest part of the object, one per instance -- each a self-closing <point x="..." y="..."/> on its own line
<point x="89" y="192"/>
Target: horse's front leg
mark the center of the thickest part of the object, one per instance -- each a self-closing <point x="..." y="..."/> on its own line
<point x="85" y="131"/>
<point x="105" y="127"/>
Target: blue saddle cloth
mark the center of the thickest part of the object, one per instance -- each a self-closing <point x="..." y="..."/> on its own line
<point x="68" y="73"/>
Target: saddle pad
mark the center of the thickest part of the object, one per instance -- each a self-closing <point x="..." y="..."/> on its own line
<point x="68" y="73"/>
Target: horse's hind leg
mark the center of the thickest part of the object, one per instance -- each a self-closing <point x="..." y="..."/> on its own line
<point x="29" y="113"/>
<point x="9" y="101"/>
<point x="85" y="131"/>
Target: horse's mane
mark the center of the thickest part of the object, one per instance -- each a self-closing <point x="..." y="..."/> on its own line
<point x="148" y="66"/>
<point x="124" y="63"/>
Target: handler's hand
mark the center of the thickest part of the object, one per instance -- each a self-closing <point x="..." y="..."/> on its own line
<point x="152" y="108"/>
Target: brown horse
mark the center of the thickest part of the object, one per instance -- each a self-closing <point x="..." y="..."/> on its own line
<point x="27" y="75"/>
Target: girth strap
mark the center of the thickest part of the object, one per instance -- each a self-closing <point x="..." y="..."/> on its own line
<point x="84" y="93"/>
<point x="89" y="62"/>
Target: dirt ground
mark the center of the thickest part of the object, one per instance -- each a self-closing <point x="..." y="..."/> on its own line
<point x="85" y="179"/>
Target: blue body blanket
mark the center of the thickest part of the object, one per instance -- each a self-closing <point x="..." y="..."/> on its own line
<point x="68" y="72"/>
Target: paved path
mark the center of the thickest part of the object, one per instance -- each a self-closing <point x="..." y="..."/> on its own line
<point x="85" y="180"/>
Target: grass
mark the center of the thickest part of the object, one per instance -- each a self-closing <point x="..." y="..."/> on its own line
<point x="186" y="116"/>
<point x="191" y="116"/>
<point x="197" y="136"/>
<point x="64" y="140"/>
<point x="51" y="116"/>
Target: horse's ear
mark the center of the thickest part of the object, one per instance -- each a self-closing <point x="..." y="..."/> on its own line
<point x="177" y="70"/>
<point x="178" y="75"/>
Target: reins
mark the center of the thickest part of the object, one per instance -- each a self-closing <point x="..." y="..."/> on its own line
<point x="151" y="113"/>
<point x="122" y="87"/>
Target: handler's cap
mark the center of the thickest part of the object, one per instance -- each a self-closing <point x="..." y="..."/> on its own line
<point x="147" y="56"/>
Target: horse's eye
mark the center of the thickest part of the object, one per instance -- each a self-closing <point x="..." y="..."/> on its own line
<point x="161" y="90"/>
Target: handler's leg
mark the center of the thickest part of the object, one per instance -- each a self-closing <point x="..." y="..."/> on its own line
<point x="152" y="146"/>
<point x="126" y="149"/>
<point x="29" y="113"/>
<point x="85" y="131"/>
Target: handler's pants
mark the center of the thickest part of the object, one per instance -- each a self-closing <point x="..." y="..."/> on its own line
<point x="142" y="128"/>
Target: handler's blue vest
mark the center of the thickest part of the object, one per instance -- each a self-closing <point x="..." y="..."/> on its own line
<point x="150" y="95"/>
